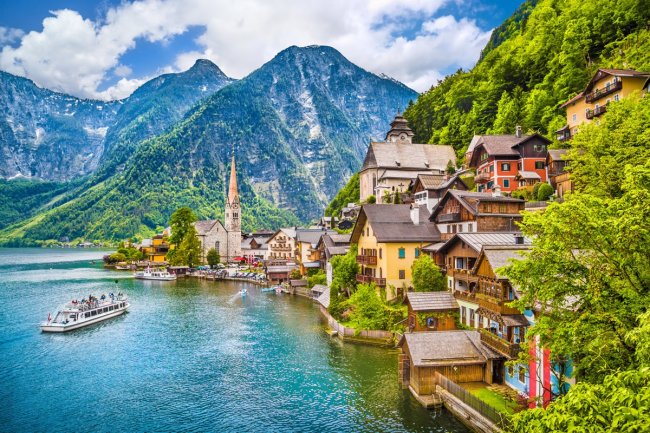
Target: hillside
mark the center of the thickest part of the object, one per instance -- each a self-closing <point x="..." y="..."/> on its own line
<point x="531" y="66"/>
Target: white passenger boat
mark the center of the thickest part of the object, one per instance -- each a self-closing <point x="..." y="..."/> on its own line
<point x="77" y="314"/>
<point x="159" y="275"/>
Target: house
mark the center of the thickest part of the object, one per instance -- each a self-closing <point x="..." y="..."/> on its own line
<point x="606" y="86"/>
<point x="350" y="212"/>
<point x="431" y="311"/>
<point x="331" y="245"/>
<point x="156" y="248"/>
<point x="458" y="355"/>
<point x="279" y="271"/>
<point x="329" y="222"/>
<point x="389" y="239"/>
<point x="559" y="179"/>
<point x="506" y="162"/>
<point x="392" y="165"/>
<point x="428" y="189"/>
<point x="466" y="211"/>
<point x="256" y="245"/>
<point x="307" y="254"/>
<point x="282" y="244"/>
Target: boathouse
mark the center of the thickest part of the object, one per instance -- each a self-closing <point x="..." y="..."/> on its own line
<point x="432" y="311"/>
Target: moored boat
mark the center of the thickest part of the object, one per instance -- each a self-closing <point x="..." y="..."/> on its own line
<point x="77" y="314"/>
<point x="243" y="292"/>
<point x="149" y="274"/>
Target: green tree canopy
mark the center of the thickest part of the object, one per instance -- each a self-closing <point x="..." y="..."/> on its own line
<point x="426" y="276"/>
<point x="213" y="258"/>
<point x="180" y="223"/>
<point x="344" y="271"/>
<point x="187" y="247"/>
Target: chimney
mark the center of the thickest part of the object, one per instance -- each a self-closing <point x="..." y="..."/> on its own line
<point x="497" y="191"/>
<point x="415" y="214"/>
<point x="518" y="131"/>
<point x="519" y="239"/>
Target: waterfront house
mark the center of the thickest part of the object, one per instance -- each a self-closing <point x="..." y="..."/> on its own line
<point x="466" y="211"/>
<point x="256" y="245"/>
<point x="389" y="239"/>
<point x="279" y="271"/>
<point x="503" y="162"/>
<point x="331" y="245"/>
<point x="155" y="249"/>
<point x="428" y="189"/>
<point x="431" y="311"/>
<point x="307" y="254"/>
<point x="282" y="244"/>
<point x="458" y="355"/>
<point x="558" y="177"/>
<point x="605" y="87"/>
<point x="392" y="165"/>
<point x="212" y="234"/>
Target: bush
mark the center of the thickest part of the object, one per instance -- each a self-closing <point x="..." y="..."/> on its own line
<point x="427" y="276"/>
<point x="213" y="258"/>
<point x="295" y="274"/>
<point x="317" y="278"/>
<point x="544" y="192"/>
<point x="535" y="190"/>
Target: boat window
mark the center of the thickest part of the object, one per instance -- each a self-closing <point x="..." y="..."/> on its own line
<point x="86" y="314"/>
<point x="110" y="308"/>
<point x="105" y="309"/>
<point x="93" y="313"/>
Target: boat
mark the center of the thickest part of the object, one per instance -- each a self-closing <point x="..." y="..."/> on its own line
<point x="243" y="292"/>
<point x="159" y="275"/>
<point x="122" y="268"/>
<point x="77" y="314"/>
<point x="268" y="289"/>
<point x="278" y="290"/>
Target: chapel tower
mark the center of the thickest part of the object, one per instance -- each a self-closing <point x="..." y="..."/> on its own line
<point x="233" y="214"/>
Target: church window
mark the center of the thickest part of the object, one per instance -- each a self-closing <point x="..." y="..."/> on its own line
<point x="234" y="215"/>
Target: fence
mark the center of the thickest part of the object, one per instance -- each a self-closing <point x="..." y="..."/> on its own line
<point x="350" y="332"/>
<point x="498" y="418"/>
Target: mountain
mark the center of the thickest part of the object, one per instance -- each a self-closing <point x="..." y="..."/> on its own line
<point x="299" y="126"/>
<point x="57" y="137"/>
<point x="539" y="58"/>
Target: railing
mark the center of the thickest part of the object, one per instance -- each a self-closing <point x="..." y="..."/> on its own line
<point x="465" y="296"/>
<point x="281" y="248"/>
<point x="482" y="177"/>
<point x="489" y="412"/>
<point x="596" y="112"/>
<point x="563" y="137"/>
<point x="511" y="350"/>
<point x="465" y="274"/>
<point x="448" y="217"/>
<point x="601" y="93"/>
<point x="497" y="306"/>
<point x="367" y="260"/>
<point x="381" y="282"/>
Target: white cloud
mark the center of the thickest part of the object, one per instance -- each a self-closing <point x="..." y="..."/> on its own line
<point x="75" y="55"/>
<point x="10" y="35"/>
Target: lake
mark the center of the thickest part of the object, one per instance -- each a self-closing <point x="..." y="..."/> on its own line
<point x="190" y="355"/>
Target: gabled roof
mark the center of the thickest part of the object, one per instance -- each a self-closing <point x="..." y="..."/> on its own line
<point x="408" y="156"/>
<point x="502" y="145"/>
<point x="601" y="73"/>
<point x="431" y="301"/>
<point x="470" y="200"/>
<point x="312" y="236"/>
<point x="528" y="175"/>
<point x="477" y="240"/>
<point x="557" y="154"/>
<point x="289" y="232"/>
<point x="392" y="223"/>
<point x="324" y="298"/>
<point x="499" y="256"/>
<point x="205" y="226"/>
<point x="440" y="348"/>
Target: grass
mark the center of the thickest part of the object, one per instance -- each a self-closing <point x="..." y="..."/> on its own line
<point x="494" y="399"/>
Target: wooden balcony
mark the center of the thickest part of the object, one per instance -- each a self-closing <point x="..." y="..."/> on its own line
<point x="496" y="305"/>
<point x="596" y="112"/>
<point x="448" y="217"/>
<point x="482" y="178"/>
<point x="465" y="296"/>
<point x="281" y="248"/>
<point x="506" y="348"/>
<point x="601" y="93"/>
<point x="465" y="275"/>
<point x="367" y="279"/>
<point x="367" y="260"/>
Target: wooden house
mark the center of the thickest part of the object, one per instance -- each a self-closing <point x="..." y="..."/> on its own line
<point x="428" y="189"/>
<point x="431" y="311"/>
<point x="558" y="177"/>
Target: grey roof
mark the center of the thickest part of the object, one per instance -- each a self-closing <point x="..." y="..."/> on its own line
<point x="203" y="227"/>
<point x="557" y="154"/>
<point x="476" y="240"/>
<point x="297" y="283"/>
<point x="340" y="238"/>
<point x="439" y="348"/>
<point x="515" y="320"/>
<point x="289" y="232"/>
<point x="324" y="298"/>
<point x="432" y="301"/>
<point x="499" y="256"/>
<point x="502" y="145"/>
<point x="312" y="236"/>
<point x="432" y="181"/>
<point x="392" y="223"/>
<point x="408" y="156"/>
<point x="433" y="247"/>
<point x="529" y="175"/>
<point x="402" y="174"/>
<point x="319" y="288"/>
<point x="470" y="200"/>
<point x="473" y="143"/>
<point x="335" y="244"/>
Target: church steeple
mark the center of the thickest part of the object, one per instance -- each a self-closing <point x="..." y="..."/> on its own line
<point x="399" y="130"/>
<point x="233" y="216"/>
<point x="233" y="194"/>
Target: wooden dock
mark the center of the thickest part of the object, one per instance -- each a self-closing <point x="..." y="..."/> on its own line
<point x="429" y="401"/>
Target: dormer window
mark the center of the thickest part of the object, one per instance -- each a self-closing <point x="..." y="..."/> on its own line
<point x="397" y="163"/>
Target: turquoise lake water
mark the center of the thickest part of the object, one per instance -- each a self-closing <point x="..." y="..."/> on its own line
<point x="189" y="356"/>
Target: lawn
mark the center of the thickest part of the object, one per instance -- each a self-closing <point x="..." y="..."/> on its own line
<point x="494" y="399"/>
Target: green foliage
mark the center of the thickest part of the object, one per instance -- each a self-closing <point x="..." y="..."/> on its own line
<point x="344" y="271"/>
<point x="213" y="258"/>
<point x="350" y="193"/>
<point x="187" y="247"/>
<point x="537" y="59"/>
<point x="116" y="258"/>
<point x="544" y="192"/>
<point x="536" y="190"/>
<point x="181" y="222"/>
<point x="371" y="199"/>
<point x="317" y="278"/>
<point x="368" y="310"/>
<point x="295" y="274"/>
<point x="20" y="198"/>
<point x="426" y="276"/>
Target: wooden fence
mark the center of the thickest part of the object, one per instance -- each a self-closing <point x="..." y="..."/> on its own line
<point x="500" y="419"/>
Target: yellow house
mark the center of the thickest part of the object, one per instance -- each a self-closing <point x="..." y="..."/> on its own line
<point x="606" y="86"/>
<point x="389" y="238"/>
<point x="156" y="248"/>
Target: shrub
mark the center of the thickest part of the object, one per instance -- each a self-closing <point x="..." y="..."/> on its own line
<point x="544" y="192"/>
<point x="535" y="190"/>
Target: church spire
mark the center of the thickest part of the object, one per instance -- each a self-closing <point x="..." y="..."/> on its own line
<point x="232" y="189"/>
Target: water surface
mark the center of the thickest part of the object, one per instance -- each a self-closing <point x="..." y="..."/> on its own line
<point x="190" y="355"/>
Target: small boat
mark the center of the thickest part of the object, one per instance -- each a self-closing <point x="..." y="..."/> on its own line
<point x="243" y="292"/>
<point x="77" y="314"/>
<point x="149" y="274"/>
<point x="278" y="290"/>
<point x="121" y="268"/>
<point x="268" y="289"/>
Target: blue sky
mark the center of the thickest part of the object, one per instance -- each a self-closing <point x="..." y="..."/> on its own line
<point x="105" y="49"/>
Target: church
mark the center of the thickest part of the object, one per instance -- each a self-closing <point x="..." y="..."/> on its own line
<point x="225" y="238"/>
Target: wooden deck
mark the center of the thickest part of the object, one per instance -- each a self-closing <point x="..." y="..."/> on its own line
<point x="429" y="400"/>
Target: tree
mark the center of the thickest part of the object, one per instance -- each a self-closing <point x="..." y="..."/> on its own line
<point x="187" y="247"/>
<point x="181" y="222"/>
<point x="367" y="308"/>
<point x="213" y="257"/>
<point x="426" y="276"/>
<point x="344" y="271"/>
<point x="295" y="274"/>
<point x="317" y="278"/>
<point x="544" y="192"/>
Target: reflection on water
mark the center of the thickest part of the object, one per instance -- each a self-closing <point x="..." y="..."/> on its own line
<point x="190" y="355"/>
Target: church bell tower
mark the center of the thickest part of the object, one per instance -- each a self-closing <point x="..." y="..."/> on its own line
<point x="233" y="214"/>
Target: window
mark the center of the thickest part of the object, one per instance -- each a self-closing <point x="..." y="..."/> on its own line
<point x="505" y="166"/>
<point x="453" y="228"/>
<point x="471" y="318"/>
<point x="539" y="147"/>
<point x="487" y="207"/>
<point x="519" y="166"/>
<point x="380" y="253"/>
<point x="470" y="227"/>
<point x="522" y="374"/>
<point x="502" y="208"/>
<point x="234" y="214"/>
<point x="574" y="117"/>
<point x="402" y="253"/>
<point x="506" y="183"/>
<point x="417" y="253"/>
<point x="460" y="228"/>
<point x="511" y="371"/>
<point x="491" y="169"/>
<point x="539" y="165"/>
<point x="484" y="156"/>
<point x="402" y="274"/>
<point x="616" y="98"/>
<point x="463" y="314"/>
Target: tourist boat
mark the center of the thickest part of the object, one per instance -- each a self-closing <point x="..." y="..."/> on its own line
<point x="268" y="289"/>
<point x="77" y="314"/>
<point x="149" y="274"/>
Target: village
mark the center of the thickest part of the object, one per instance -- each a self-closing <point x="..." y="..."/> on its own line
<point x="462" y="345"/>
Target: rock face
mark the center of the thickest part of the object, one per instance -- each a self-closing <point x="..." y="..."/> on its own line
<point x="51" y="136"/>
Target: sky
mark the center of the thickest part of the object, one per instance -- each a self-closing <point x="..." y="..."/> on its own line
<point x="105" y="49"/>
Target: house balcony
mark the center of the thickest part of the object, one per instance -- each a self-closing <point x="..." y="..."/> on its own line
<point x="465" y="275"/>
<point x="506" y="348"/>
<point x="482" y="178"/>
<point x="448" y="217"/>
<point x="367" y="260"/>
<point x="495" y="305"/>
<point x="282" y="248"/>
<point x="596" y="112"/>
<point x="367" y="279"/>
<point x="601" y="93"/>
<point x="465" y="296"/>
